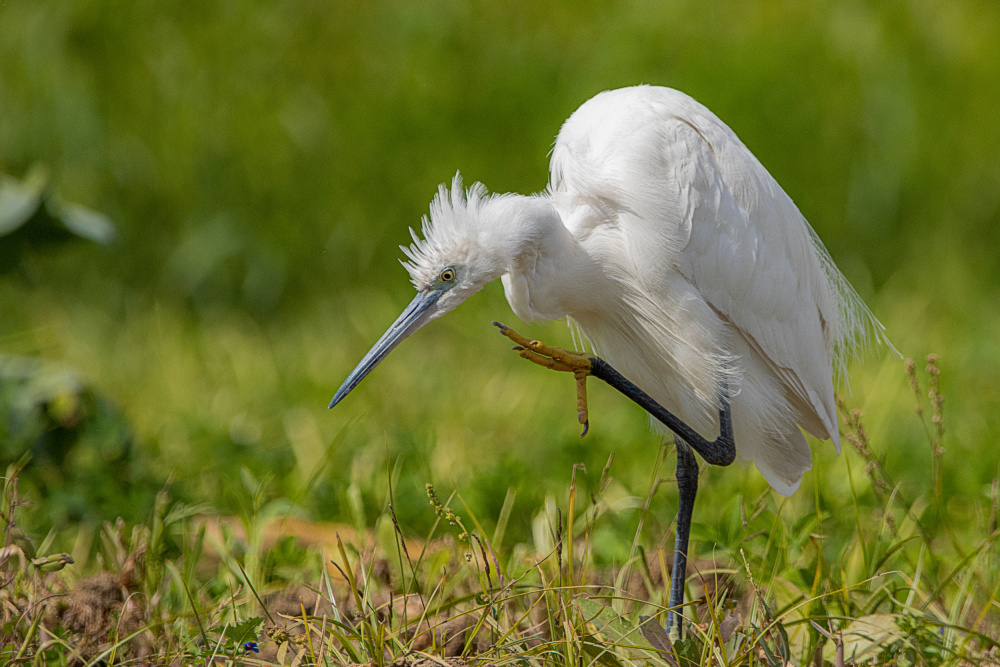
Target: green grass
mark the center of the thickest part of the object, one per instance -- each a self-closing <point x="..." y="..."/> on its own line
<point x="886" y="573"/>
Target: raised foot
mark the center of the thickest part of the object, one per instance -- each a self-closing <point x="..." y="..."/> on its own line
<point x="557" y="359"/>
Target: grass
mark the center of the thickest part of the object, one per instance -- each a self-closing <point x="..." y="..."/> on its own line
<point x="884" y="575"/>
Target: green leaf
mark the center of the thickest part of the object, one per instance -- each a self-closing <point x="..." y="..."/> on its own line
<point x="689" y="652"/>
<point x="52" y="563"/>
<point x="20" y="200"/>
<point x="246" y="631"/>
<point x="622" y="635"/>
<point x="33" y="217"/>
<point x="87" y="223"/>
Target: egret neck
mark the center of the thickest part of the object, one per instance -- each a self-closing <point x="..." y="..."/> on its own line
<point x="547" y="269"/>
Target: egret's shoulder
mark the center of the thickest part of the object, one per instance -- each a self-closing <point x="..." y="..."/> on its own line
<point x="624" y="109"/>
<point x="625" y="136"/>
<point x="638" y="97"/>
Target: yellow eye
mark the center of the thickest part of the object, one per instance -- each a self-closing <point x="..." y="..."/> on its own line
<point x="448" y="276"/>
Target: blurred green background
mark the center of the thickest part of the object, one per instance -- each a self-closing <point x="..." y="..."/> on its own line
<point x="262" y="161"/>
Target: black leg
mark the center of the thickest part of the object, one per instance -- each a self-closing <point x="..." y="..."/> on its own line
<point x="687" y="489"/>
<point x="721" y="451"/>
<point x="718" y="452"/>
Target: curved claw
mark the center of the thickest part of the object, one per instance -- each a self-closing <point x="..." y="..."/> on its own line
<point x="556" y="359"/>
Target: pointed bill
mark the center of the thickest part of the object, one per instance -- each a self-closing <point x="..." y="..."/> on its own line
<point x="417" y="314"/>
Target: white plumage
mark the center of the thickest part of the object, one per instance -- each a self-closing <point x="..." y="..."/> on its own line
<point x="680" y="259"/>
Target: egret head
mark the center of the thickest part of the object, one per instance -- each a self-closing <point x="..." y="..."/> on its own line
<point x="456" y="258"/>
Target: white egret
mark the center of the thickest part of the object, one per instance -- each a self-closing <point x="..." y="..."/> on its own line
<point x="684" y="264"/>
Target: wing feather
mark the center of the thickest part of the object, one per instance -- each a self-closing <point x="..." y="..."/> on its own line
<point x="690" y="198"/>
<point x="771" y="283"/>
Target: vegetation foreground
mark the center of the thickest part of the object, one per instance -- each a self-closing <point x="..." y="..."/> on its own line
<point x="190" y="586"/>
